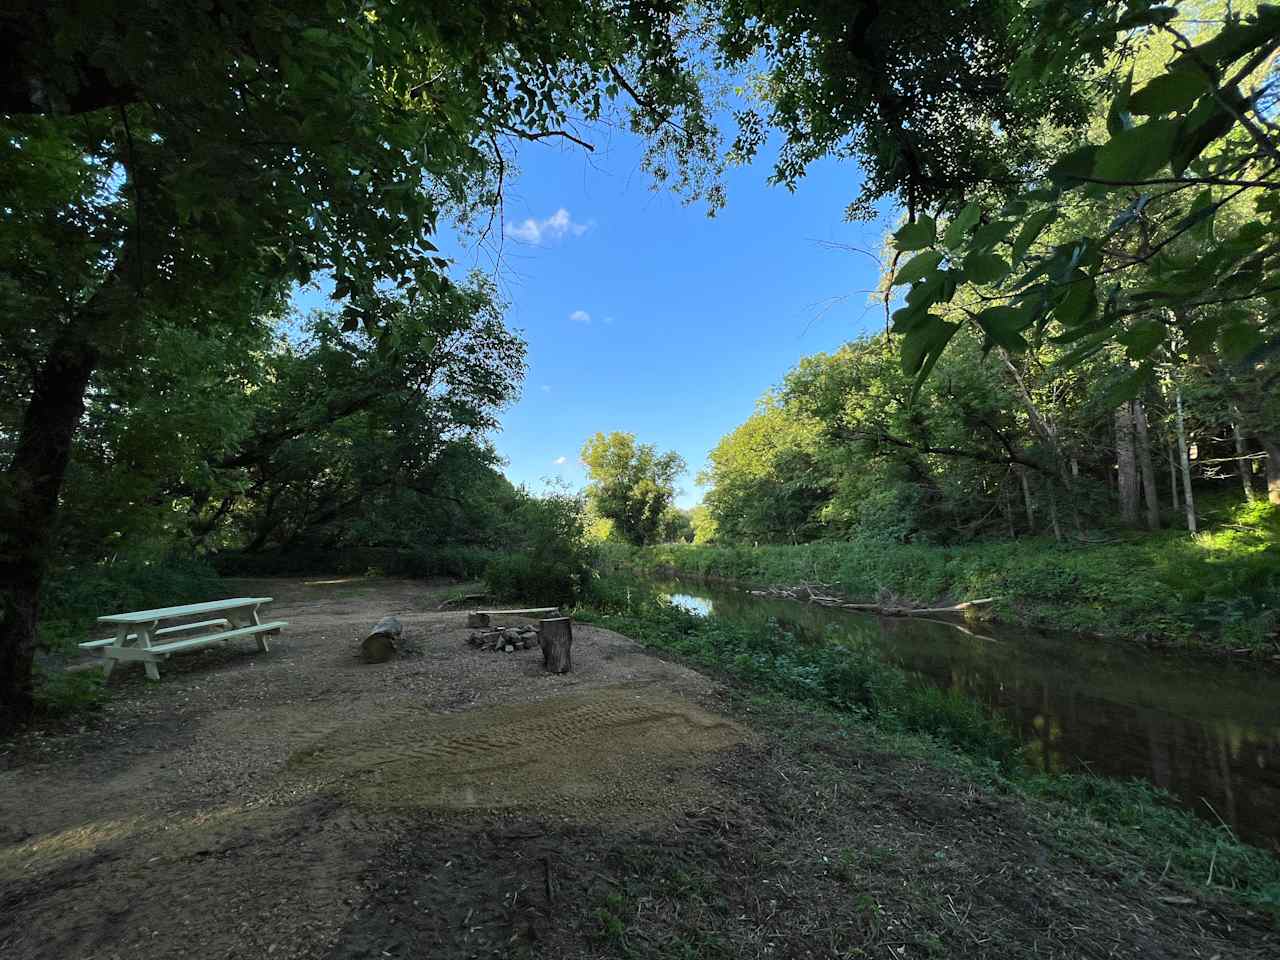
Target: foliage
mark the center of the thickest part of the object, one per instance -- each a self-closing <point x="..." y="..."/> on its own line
<point x="675" y="526"/>
<point x="1157" y="231"/>
<point x="631" y="484"/>
<point x="915" y="93"/>
<point x="548" y="558"/>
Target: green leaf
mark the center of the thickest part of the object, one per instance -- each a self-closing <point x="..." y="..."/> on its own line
<point x="1079" y="304"/>
<point x="1137" y="153"/>
<point x="1142" y="339"/>
<point x="1074" y="167"/>
<point x="990" y="234"/>
<point x="983" y="268"/>
<point x="1168" y="93"/>
<point x="1004" y="325"/>
<point x="1233" y="41"/>
<point x="917" y="235"/>
<point x="918" y="267"/>
<point x="960" y="225"/>
<point x="1031" y="230"/>
<point x="1118" y="118"/>
<point x="922" y="347"/>
<point x="1207" y="122"/>
<point x="1127" y="387"/>
<point x="1238" y="340"/>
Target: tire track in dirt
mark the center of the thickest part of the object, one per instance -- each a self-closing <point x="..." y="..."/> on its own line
<point x="633" y="743"/>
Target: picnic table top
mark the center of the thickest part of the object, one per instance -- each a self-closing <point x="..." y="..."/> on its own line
<point x="186" y="610"/>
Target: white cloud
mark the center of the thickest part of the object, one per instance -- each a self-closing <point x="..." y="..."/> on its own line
<point x="580" y="316"/>
<point x="555" y="227"/>
<point x="558" y="460"/>
<point x="608" y="319"/>
<point x="545" y="388"/>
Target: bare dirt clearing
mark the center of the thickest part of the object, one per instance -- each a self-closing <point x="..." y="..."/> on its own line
<point x="463" y="803"/>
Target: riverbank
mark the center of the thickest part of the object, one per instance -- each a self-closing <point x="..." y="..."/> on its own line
<point x="847" y="682"/>
<point x="1218" y="591"/>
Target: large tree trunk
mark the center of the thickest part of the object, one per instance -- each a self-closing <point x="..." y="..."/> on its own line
<point x="1271" y="445"/>
<point x="1188" y="498"/>
<point x="1126" y="465"/>
<point x="1242" y="462"/>
<point x="31" y="487"/>
<point x="1142" y="440"/>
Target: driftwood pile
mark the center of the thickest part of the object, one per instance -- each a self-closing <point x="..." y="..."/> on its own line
<point x="505" y="639"/>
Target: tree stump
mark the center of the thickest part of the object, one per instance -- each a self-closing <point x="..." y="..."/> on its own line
<point x="557" y="638"/>
<point x="380" y="645"/>
<point x="475" y="620"/>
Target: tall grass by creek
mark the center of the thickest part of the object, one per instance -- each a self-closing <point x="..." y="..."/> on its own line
<point x="1218" y="589"/>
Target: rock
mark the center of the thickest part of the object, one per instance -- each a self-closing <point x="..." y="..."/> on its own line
<point x="508" y="649"/>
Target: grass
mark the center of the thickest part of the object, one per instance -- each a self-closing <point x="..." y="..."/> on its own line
<point x="1219" y="589"/>
<point x="1098" y="818"/>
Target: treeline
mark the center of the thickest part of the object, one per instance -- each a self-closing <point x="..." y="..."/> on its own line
<point x="991" y="445"/>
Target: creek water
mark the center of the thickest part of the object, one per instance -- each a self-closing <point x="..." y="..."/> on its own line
<point x="1208" y="731"/>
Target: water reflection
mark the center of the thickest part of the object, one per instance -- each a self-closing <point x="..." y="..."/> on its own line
<point x="1206" y="731"/>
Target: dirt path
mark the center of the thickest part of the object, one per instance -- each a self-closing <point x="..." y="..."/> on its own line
<point x="462" y="803"/>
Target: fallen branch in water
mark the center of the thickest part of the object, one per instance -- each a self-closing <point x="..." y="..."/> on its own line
<point x="805" y="592"/>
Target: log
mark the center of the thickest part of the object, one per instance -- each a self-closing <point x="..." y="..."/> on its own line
<point x="477" y="620"/>
<point x="381" y="643"/>
<point x="557" y="640"/>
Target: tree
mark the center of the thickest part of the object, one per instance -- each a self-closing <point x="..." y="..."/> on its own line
<point x="631" y="484"/>
<point x="184" y="163"/>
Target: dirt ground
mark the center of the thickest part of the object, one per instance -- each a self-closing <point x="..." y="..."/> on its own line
<point x="459" y="803"/>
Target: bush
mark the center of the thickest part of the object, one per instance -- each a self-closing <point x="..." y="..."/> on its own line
<point x="552" y="560"/>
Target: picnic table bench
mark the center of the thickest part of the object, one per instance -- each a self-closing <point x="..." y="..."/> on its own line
<point x="137" y="632"/>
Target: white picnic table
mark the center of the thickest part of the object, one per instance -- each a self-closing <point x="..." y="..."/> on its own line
<point x="137" y="632"/>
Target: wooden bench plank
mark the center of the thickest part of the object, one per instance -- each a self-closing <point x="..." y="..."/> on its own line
<point x="185" y="610"/>
<point x="181" y="628"/>
<point x="194" y="642"/>
<point x="526" y="612"/>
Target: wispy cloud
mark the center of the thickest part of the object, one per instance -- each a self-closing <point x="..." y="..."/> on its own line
<point x="580" y="316"/>
<point x="559" y="460"/>
<point x="608" y="320"/>
<point x="545" y="388"/>
<point x="555" y="227"/>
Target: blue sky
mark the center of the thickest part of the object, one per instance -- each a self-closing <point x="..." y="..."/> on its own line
<point x="643" y="315"/>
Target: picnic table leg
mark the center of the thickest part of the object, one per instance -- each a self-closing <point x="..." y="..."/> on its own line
<point x="144" y="641"/>
<point x="109" y="662"/>
<point x="263" y="645"/>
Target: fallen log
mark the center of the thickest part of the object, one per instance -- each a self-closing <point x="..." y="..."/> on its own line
<point x="556" y="636"/>
<point x="382" y="643"/>
<point x="894" y="610"/>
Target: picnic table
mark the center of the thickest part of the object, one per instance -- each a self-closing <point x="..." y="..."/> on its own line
<point x="137" y="633"/>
